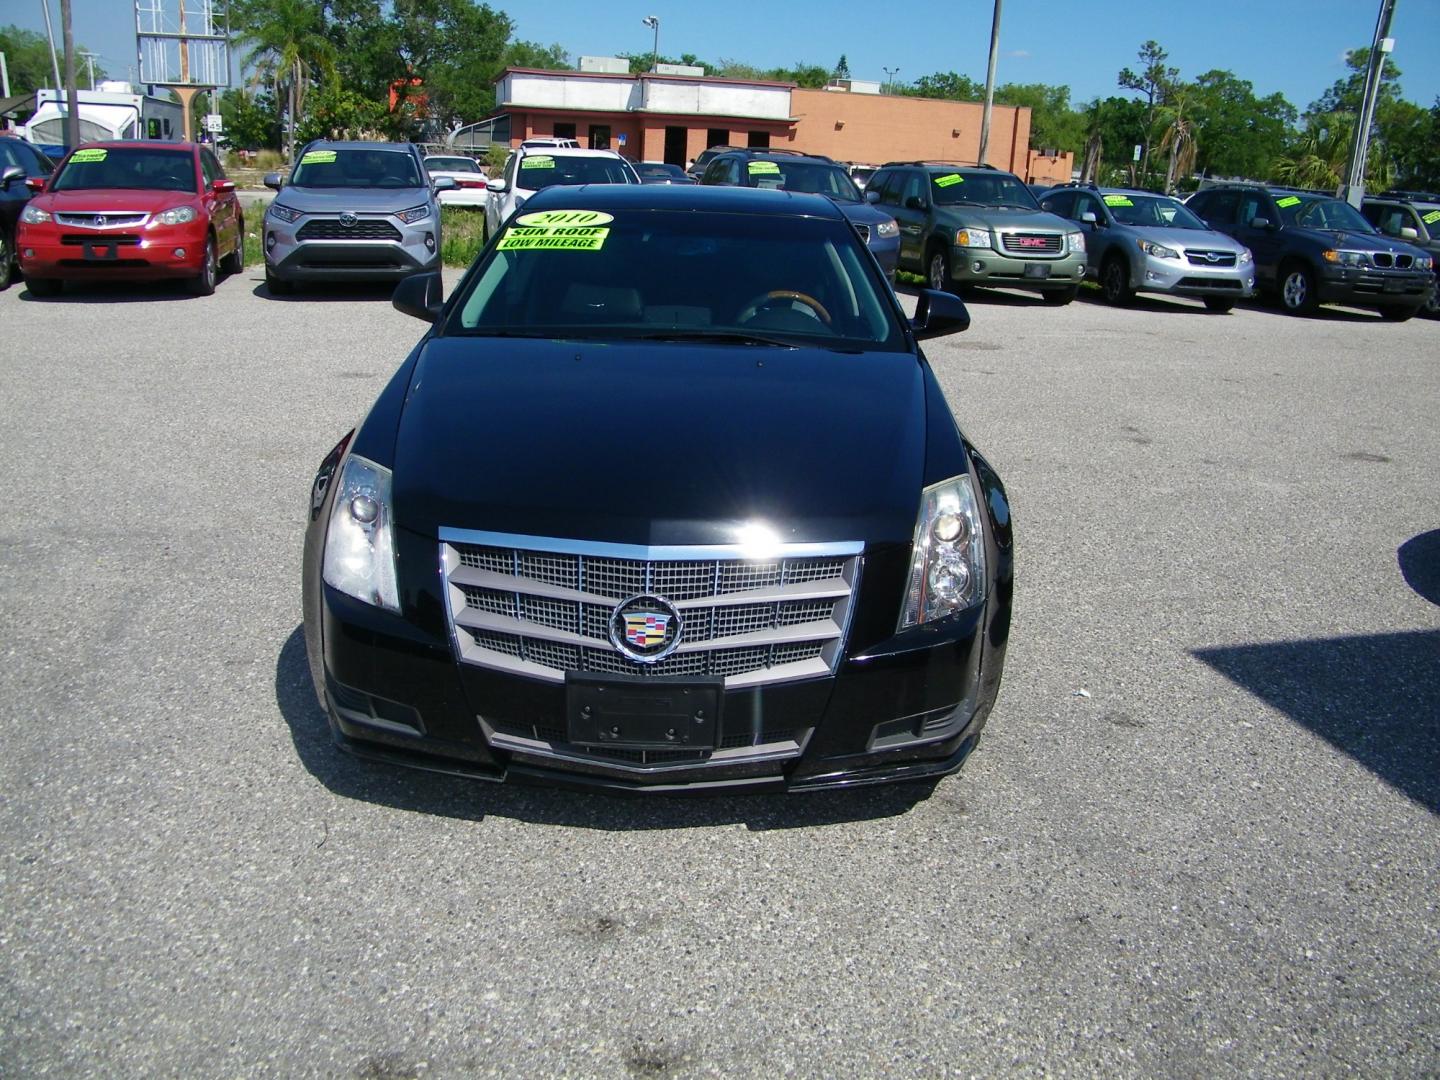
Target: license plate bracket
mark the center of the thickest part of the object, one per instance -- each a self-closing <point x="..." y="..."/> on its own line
<point x="635" y="713"/>
<point x="101" y="250"/>
<point x="1037" y="270"/>
<point x="1394" y="285"/>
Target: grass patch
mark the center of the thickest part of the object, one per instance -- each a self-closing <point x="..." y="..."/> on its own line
<point x="462" y="230"/>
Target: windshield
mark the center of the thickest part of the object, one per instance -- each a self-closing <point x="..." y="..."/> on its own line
<point x="660" y="172"/>
<point x="1152" y="210"/>
<point x="810" y="177"/>
<point x="538" y="171"/>
<point x="983" y="189"/>
<point x="132" y="168"/>
<point x="699" y="276"/>
<point x="1331" y="215"/>
<point x="356" y="168"/>
<point x="451" y="164"/>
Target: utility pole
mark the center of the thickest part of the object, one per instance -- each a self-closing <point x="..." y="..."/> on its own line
<point x="50" y="37"/>
<point x="89" y="58"/>
<point x="1353" y="190"/>
<point x="72" y="96"/>
<point x="653" y="22"/>
<point x="989" y="86"/>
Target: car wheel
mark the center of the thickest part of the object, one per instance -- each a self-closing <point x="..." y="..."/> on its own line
<point x="1432" y="302"/>
<point x="276" y="286"/>
<point x="1115" y="282"/>
<point x="40" y="286"/>
<point x="203" y="283"/>
<point x="1398" y="314"/>
<point x="938" y="272"/>
<point x="1219" y="304"/>
<point x="7" y="263"/>
<point x="1061" y="297"/>
<point x="234" y="263"/>
<point x="1297" y="290"/>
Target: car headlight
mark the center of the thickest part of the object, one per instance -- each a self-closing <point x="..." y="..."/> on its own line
<point x="1246" y="257"/>
<point x="887" y="228"/>
<point x="33" y="215"/>
<point x="947" y="562"/>
<point x="1424" y="262"/>
<point x="360" y="544"/>
<point x="1346" y="258"/>
<point x="284" y="213"/>
<point x="414" y="214"/>
<point x="176" y="215"/>
<point x="1157" y="251"/>
<point x="1076" y="241"/>
<point x="972" y="238"/>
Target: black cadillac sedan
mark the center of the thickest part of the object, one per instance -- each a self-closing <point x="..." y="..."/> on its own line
<point x="668" y="498"/>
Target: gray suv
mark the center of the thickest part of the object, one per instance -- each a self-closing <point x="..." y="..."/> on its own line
<point x="968" y="225"/>
<point x="1143" y="242"/>
<point x="353" y="211"/>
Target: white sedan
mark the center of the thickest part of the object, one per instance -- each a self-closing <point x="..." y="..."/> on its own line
<point x="466" y="173"/>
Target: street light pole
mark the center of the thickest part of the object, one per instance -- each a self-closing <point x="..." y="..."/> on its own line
<point x="653" y="22"/>
<point x="989" y="86"/>
<point x="1353" y="190"/>
<point x="890" y="74"/>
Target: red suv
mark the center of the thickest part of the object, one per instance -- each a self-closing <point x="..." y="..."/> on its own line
<point x="132" y="210"/>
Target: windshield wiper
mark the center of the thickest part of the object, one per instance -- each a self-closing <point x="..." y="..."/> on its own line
<point x="729" y="337"/>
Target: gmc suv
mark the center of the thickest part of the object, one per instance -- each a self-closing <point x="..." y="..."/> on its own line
<point x="962" y="226"/>
<point x="1312" y="249"/>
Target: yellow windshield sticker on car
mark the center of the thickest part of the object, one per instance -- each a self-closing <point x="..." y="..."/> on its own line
<point x="1431" y="217"/>
<point x="96" y="153"/>
<point x="318" y="157"/>
<point x="565" y="217"/>
<point x="1288" y="200"/>
<point x="762" y="168"/>
<point x="949" y="180"/>
<point x="554" y="238"/>
<point x="538" y="163"/>
<point x="1118" y="200"/>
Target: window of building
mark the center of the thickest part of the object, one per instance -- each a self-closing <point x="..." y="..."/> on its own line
<point x="675" y="140"/>
<point x="564" y="131"/>
<point x="599" y="136"/>
<point x="758" y="140"/>
<point x="717" y="137"/>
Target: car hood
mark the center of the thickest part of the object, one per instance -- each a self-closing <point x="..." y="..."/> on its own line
<point x="660" y="443"/>
<point x="1353" y="241"/>
<point x="999" y="217"/>
<point x="1186" y="239"/>
<point x="113" y="200"/>
<point x="356" y="200"/>
<point x="863" y="213"/>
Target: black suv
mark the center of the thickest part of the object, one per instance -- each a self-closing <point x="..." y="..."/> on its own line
<point x="1312" y="248"/>
<point x="968" y="225"/>
<point x="1412" y="217"/>
<point x="19" y="162"/>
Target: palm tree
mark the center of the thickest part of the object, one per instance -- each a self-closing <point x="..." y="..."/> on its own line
<point x="1318" y="157"/>
<point x="1179" y="142"/>
<point x="288" y="46"/>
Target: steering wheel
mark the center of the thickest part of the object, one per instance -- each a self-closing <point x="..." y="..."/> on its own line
<point x="752" y="308"/>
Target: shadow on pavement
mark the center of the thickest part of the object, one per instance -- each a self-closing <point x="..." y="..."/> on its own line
<point x="1419" y="559"/>
<point x="115" y="292"/>
<point x="1182" y="305"/>
<point x="327" y="292"/>
<point x="447" y="796"/>
<point x="1376" y="697"/>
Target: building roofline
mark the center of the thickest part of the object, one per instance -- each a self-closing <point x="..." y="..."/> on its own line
<point x="661" y="77"/>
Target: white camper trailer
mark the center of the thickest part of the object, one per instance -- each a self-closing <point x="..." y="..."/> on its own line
<point x="113" y="110"/>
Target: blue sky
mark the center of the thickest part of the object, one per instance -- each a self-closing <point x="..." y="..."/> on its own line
<point x="1296" y="48"/>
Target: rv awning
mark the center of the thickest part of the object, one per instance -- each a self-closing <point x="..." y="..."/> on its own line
<point x="18" y="104"/>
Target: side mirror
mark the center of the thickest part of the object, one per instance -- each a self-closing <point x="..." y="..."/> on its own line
<point x="915" y="202"/>
<point x="421" y="295"/>
<point x="1260" y="223"/>
<point x="14" y="172"/>
<point x="36" y="184"/>
<point x="222" y="186"/>
<point x="446" y="183"/>
<point x="872" y="196"/>
<point x="273" y="181"/>
<point x="1089" y="218"/>
<point x="497" y="185"/>
<point x="1409" y="232"/>
<point x="938" y="313"/>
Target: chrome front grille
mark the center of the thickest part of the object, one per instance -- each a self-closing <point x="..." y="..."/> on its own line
<point x="1032" y="243"/>
<point x="1211" y="258"/>
<point x="864" y="231"/>
<point x="541" y="607"/>
<point x="120" y="220"/>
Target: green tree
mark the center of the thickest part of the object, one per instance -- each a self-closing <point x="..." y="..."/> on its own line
<point x="1157" y="82"/>
<point x="1317" y="157"/>
<point x="842" y="68"/>
<point x="455" y="48"/>
<point x="27" y="58"/>
<point x="950" y="85"/>
<point x="249" y="121"/>
<point x="1237" y="134"/>
<point x="288" y="47"/>
<point x="1345" y="94"/>
<point x="1115" y="125"/>
<point x="1054" y="124"/>
<point x="530" y="54"/>
<point x="338" y="113"/>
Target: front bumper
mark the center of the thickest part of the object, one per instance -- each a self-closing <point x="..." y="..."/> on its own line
<point x="989" y="266"/>
<point x="290" y="258"/>
<point x="886" y="250"/>
<point x="145" y="253"/>
<point x="475" y="197"/>
<point x="1180" y="277"/>
<point x="911" y="708"/>
<point x="1374" y="287"/>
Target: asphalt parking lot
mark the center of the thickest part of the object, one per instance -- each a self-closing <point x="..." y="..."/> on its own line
<point x="1201" y="836"/>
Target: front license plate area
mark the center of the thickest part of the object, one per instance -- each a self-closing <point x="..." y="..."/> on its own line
<point x="1037" y="270"/>
<point x="100" y="250"/>
<point x="625" y="712"/>
<point x="1393" y="285"/>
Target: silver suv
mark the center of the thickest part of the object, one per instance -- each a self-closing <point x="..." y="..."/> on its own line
<point x="353" y="211"/>
<point x="1142" y="242"/>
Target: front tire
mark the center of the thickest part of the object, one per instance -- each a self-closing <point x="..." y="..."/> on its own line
<point x="7" y="263"/>
<point x="1297" y="290"/>
<point x="203" y="284"/>
<point x="1219" y="304"/>
<point x="234" y="263"/>
<point x="1061" y="297"/>
<point x="937" y="271"/>
<point x="1115" y="282"/>
<point x="1398" y="314"/>
<point x="40" y="286"/>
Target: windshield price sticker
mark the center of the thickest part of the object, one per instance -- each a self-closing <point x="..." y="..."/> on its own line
<point x="538" y="163"/>
<point x="1288" y="200"/>
<point x="949" y="180"/>
<point x="1431" y="217"/>
<point x="318" y="157"/>
<point x="761" y="168"/>
<point x="554" y="238"/>
<point x="94" y="154"/>
<point x="1117" y="200"/>
<point x="565" y="217"/>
